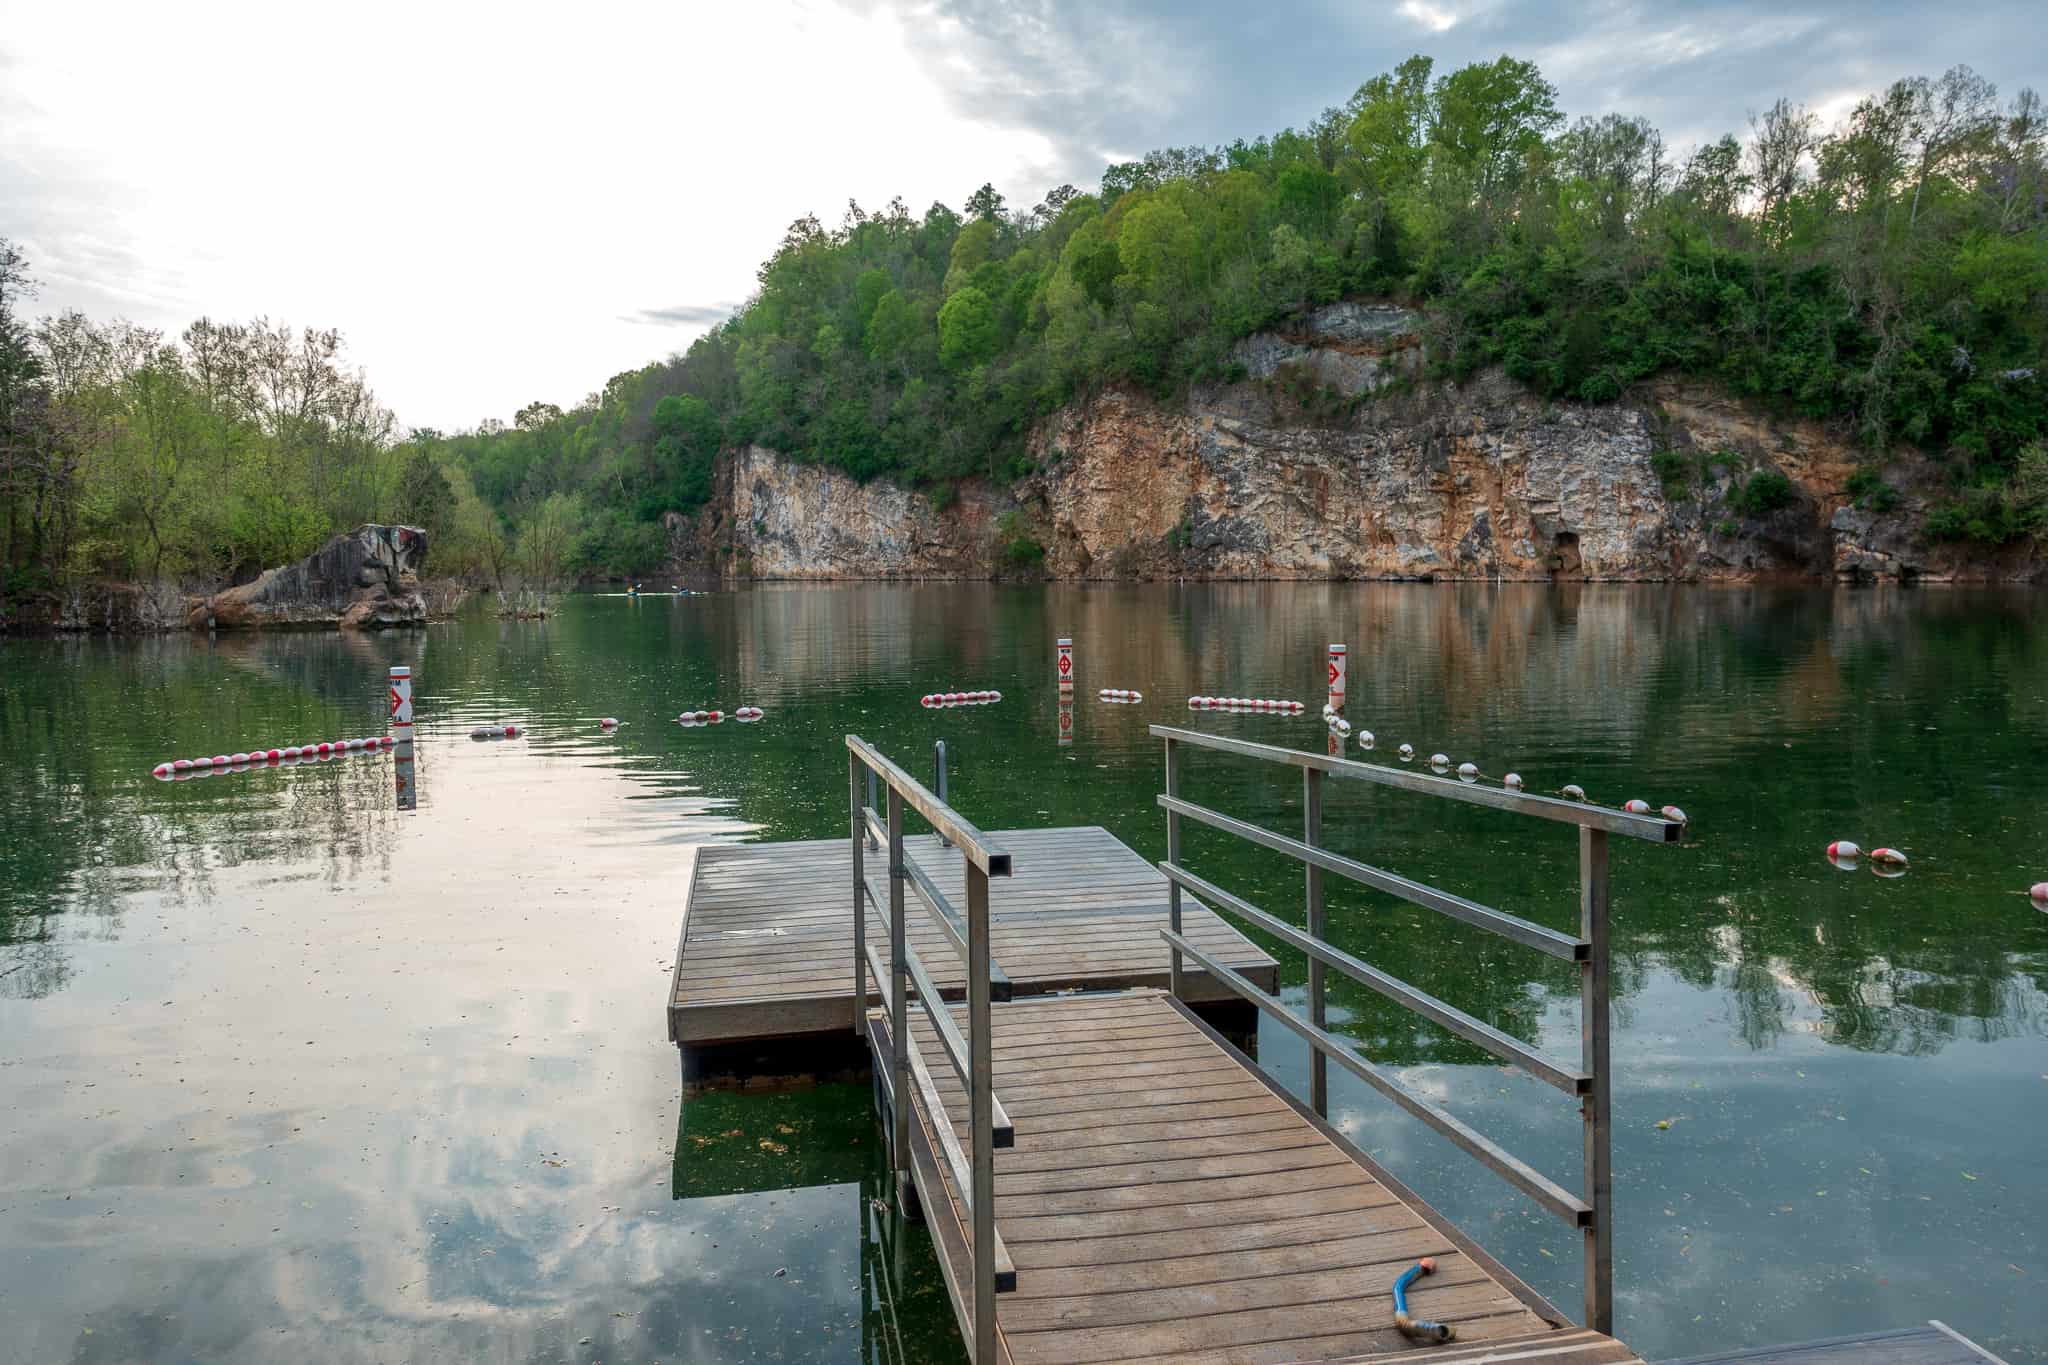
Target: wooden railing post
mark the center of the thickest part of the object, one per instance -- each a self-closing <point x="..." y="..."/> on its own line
<point x="1312" y="835"/>
<point x="939" y="785"/>
<point x="1173" y="982"/>
<point x="860" y="899"/>
<point x="1596" y="1105"/>
<point x="981" y="1116"/>
<point x="899" y="1001"/>
<point x="874" y="801"/>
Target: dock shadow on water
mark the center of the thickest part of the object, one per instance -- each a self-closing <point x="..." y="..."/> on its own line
<point x="289" y="1071"/>
<point x="786" y="1182"/>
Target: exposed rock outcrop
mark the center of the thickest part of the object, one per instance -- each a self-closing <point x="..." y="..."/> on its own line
<point x="364" y="579"/>
<point x="1333" y="456"/>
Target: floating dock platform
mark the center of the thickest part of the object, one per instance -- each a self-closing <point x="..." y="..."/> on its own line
<point x="767" y="945"/>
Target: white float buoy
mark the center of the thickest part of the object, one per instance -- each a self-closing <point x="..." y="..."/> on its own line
<point x="1674" y="815"/>
<point x="1407" y="751"/>
<point x="1635" y="807"/>
<point x="1888" y="855"/>
<point x="1439" y="760"/>
<point x="1574" y="792"/>
<point x="2039" y="891"/>
<point x="608" y="723"/>
<point x="1513" y="782"/>
<point x="1468" y="771"/>
<point x="1365" y="739"/>
<point x="1844" y="848"/>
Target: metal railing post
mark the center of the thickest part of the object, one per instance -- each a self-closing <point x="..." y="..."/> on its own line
<point x="1312" y="835"/>
<point x="1173" y="981"/>
<point x="981" y="1116"/>
<point x="860" y="899"/>
<point x="1596" y="1106"/>
<point x="939" y="771"/>
<point x="899" y="1001"/>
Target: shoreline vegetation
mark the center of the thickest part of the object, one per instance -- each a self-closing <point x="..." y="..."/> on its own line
<point x="1888" y="275"/>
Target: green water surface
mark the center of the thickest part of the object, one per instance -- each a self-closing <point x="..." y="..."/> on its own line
<point x="287" y="1071"/>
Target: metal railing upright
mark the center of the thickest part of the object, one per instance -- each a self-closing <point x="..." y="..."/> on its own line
<point x="1591" y="1211"/>
<point x="905" y="977"/>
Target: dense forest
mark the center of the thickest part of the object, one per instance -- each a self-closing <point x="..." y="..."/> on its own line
<point x="1889" y="273"/>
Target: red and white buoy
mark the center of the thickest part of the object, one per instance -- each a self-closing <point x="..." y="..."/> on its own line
<point x="481" y="732"/>
<point x="1674" y="815"/>
<point x="1513" y="782"/>
<point x="2039" y="891"/>
<point x="1634" y="807"/>
<point x="749" y="713"/>
<point x="1120" y="694"/>
<point x="1889" y="856"/>
<point x="1844" y="848"/>
<point x="608" y="723"/>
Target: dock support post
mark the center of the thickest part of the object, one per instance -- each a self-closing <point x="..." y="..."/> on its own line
<point x="1312" y="835"/>
<point x="860" y="899"/>
<point x="1173" y="968"/>
<point x="899" y="1010"/>
<point x="981" y="1116"/>
<point x="1596" y="1105"/>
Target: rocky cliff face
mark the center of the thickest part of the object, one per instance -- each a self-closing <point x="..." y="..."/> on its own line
<point x="1333" y="457"/>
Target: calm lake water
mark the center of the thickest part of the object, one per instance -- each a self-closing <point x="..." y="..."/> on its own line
<point x="286" y="1071"/>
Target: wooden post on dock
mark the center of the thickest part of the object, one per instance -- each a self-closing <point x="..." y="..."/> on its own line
<point x="854" y="767"/>
<point x="1596" y="1105"/>
<point x="1173" y="981"/>
<point x="1312" y="835"/>
<point x="899" y="1009"/>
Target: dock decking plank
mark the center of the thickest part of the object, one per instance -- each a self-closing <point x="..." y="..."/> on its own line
<point x="767" y="945"/>
<point x="1156" y="1223"/>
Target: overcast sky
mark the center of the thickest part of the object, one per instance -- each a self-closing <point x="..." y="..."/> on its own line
<point x="498" y="203"/>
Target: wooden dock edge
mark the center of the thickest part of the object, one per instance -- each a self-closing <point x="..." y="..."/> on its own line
<point x="1513" y="1283"/>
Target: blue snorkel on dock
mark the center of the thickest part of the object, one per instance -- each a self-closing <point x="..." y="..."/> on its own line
<point x="1421" y="1331"/>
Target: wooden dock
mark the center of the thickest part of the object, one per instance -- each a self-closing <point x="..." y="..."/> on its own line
<point x="1106" y="1177"/>
<point x="1165" y="1199"/>
<point x="767" y="945"/>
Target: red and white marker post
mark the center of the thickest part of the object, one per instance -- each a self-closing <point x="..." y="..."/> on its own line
<point x="401" y="700"/>
<point x="1338" y="660"/>
<point x="1065" y="665"/>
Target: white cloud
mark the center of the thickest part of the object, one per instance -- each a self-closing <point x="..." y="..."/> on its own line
<point x="1435" y="18"/>
<point x="491" y="207"/>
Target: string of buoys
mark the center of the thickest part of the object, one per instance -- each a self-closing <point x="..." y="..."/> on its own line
<point x="240" y="761"/>
<point x="701" y="717"/>
<point x="1122" y="694"/>
<point x="495" y="732"/>
<point x="1245" y="704"/>
<point x="981" y="698"/>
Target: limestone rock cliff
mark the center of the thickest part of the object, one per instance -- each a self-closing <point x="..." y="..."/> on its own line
<point x="1331" y="455"/>
<point x="367" y="578"/>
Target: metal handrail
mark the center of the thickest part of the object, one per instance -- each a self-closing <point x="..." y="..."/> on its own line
<point x="1590" y="1082"/>
<point x="971" y="1055"/>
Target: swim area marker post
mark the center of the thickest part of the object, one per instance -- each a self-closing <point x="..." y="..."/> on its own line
<point x="1065" y="666"/>
<point x="401" y="698"/>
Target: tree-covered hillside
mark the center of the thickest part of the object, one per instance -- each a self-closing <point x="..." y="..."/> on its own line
<point x="1889" y="273"/>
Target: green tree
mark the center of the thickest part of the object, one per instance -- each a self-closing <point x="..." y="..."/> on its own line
<point x="967" y="329"/>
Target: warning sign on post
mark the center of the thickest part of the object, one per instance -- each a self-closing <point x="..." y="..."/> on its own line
<point x="1066" y="663"/>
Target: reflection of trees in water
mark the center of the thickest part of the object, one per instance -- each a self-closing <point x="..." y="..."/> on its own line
<point x="87" y="830"/>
